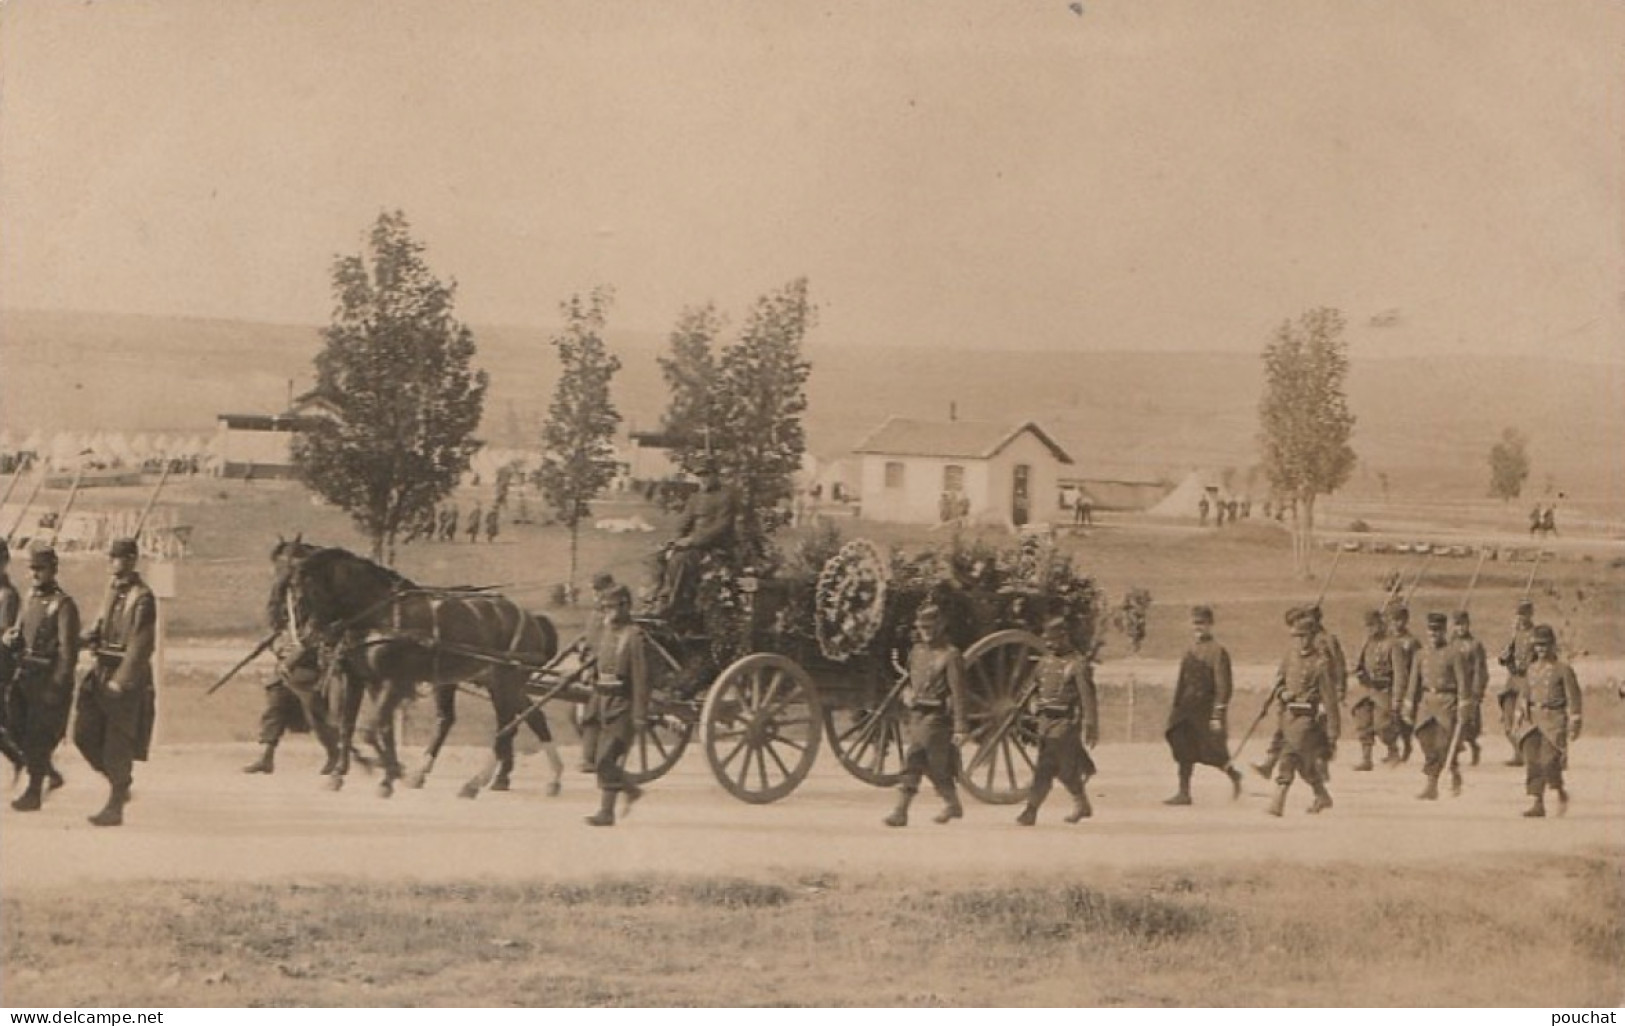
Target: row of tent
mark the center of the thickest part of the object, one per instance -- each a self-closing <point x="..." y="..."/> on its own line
<point x="63" y="450"/>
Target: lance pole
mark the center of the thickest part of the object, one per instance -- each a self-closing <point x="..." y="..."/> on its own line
<point x="67" y="505"/>
<point x="22" y="515"/>
<point x="152" y="499"/>
<point x="1482" y="552"/>
<point x="22" y="468"/>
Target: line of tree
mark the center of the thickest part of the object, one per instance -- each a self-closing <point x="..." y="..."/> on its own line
<point x="1509" y="465"/>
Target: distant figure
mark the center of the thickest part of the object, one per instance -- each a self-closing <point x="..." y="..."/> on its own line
<point x="448" y="523"/>
<point x="1202" y="510"/>
<point x="474" y="524"/>
<point x="962" y="507"/>
<point x="945" y="507"/>
<point x="1548" y="521"/>
<point x="1534" y="520"/>
<point x="492" y="524"/>
<point x="1266" y="509"/>
<point x="1246" y="509"/>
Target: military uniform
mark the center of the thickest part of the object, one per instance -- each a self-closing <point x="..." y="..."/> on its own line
<point x="1403" y="645"/>
<point x="1376" y="696"/>
<point x="1435" y="692"/>
<point x="1476" y="661"/>
<point x="1548" y="718"/>
<point x="620" y="701"/>
<point x="1065" y="713"/>
<point x="935" y="700"/>
<point x="10" y="608"/>
<point x="1309" y="724"/>
<point x="1515" y="657"/>
<point x="116" y="707"/>
<point x="1196" y="725"/>
<point x="45" y="647"/>
<point x="707" y="523"/>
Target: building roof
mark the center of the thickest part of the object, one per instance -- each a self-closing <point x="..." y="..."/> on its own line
<point x="951" y="439"/>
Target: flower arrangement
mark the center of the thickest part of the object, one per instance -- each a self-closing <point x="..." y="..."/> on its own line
<point x="850" y="602"/>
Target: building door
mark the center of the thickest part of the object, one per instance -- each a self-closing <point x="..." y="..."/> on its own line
<point x="1020" y="499"/>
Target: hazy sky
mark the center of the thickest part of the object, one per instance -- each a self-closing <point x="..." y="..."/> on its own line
<point x="1147" y="174"/>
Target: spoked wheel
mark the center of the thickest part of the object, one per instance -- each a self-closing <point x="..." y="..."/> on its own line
<point x="760" y="727"/>
<point x="869" y="742"/>
<point x="657" y="746"/>
<point x="1001" y="748"/>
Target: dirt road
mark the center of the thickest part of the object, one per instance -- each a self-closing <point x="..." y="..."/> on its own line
<point x="197" y="817"/>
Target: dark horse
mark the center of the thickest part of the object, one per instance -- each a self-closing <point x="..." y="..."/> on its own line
<point x="390" y="634"/>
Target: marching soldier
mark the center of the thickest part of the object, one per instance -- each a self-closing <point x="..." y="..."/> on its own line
<point x="1436" y="691"/>
<point x="475" y="520"/>
<point x="1478" y="678"/>
<point x="116" y="702"/>
<point x="1404" y="647"/>
<point x="1327" y="644"/>
<point x="44" y="644"/>
<point x="588" y="646"/>
<point x="1308" y="722"/>
<point x="1516" y="656"/>
<point x="10" y="607"/>
<point x="935" y="699"/>
<point x="620" y="702"/>
<point x="1548" y="718"/>
<point x="1198" y="721"/>
<point x="1375" y="706"/>
<point x="291" y="700"/>
<point x="1331" y="653"/>
<point x="1068" y="723"/>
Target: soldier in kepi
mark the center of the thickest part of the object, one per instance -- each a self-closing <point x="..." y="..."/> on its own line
<point x="44" y="646"/>
<point x="292" y="701"/>
<point x="113" y="728"/>
<point x="1516" y="657"/>
<point x="1477" y="663"/>
<point x="1198" y="724"/>
<point x="1375" y="706"/>
<point x="1546" y="720"/>
<point x="10" y="607"/>
<point x="1068" y="723"/>
<point x="620" y="701"/>
<point x="1308" y="722"/>
<point x="1330" y="651"/>
<point x="1435" y="692"/>
<point x="935" y="699"/>
<point x="1403" y="646"/>
<point x="707" y="525"/>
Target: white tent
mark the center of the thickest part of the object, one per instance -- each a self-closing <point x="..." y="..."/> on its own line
<point x="1185" y="501"/>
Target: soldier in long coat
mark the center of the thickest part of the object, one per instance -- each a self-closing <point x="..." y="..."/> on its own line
<point x="935" y="699"/>
<point x="1515" y="657"/>
<point x="1477" y="663"/>
<point x="620" y="702"/>
<point x="113" y="729"/>
<point x="10" y="608"/>
<point x="1067" y="717"/>
<point x="1308" y="720"/>
<point x="44" y="644"/>
<point x="1404" y="647"/>
<point x="1435" y="692"/>
<point x="708" y="524"/>
<point x="1375" y="707"/>
<point x="1198" y="721"/>
<point x="1331" y="652"/>
<point x="1547" y="719"/>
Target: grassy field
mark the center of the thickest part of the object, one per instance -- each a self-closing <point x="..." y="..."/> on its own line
<point x="1490" y="932"/>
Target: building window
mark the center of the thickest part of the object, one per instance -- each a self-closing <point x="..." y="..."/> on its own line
<point x="894" y="474"/>
<point x="953" y="478"/>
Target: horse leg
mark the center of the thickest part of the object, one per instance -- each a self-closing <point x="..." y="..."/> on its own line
<point x="349" y="713"/>
<point x="536" y="720"/>
<point x="497" y="773"/>
<point x="381" y="734"/>
<point x="445" y="716"/>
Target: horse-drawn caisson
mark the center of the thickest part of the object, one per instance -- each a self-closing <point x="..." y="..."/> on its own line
<point x="760" y="667"/>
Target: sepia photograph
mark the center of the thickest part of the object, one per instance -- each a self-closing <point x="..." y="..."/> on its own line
<point x="585" y="504"/>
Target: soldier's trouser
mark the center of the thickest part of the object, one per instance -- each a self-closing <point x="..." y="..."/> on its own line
<point x="1062" y="757"/>
<point x="1303" y="750"/>
<point x="1272" y="754"/>
<point x="38" y="717"/>
<point x="1472" y="723"/>
<point x="1375" y="721"/>
<point x="282" y="709"/>
<point x="930" y="753"/>
<point x="1543" y="763"/>
<point x="613" y="745"/>
<point x="1508" y="701"/>
<point x="108" y="730"/>
<point x="1434" y="737"/>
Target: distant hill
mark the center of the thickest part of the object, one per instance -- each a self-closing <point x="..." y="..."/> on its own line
<point x="1426" y="422"/>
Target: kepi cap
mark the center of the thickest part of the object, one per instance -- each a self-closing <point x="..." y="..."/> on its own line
<point x="41" y="555"/>
<point x="123" y="547"/>
<point x="1545" y="635"/>
<point x="1437" y="620"/>
<point x="1202" y="614"/>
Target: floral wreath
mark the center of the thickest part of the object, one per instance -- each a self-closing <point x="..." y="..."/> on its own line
<point x="850" y="604"/>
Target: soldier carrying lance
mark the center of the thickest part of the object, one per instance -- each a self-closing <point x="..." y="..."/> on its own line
<point x="1516" y="657"/>
<point x="1067" y="719"/>
<point x="1308" y="721"/>
<point x="44" y="645"/>
<point x="1436" y="688"/>
<point x="1548" y="720"/>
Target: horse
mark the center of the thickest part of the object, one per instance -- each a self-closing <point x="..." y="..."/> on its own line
<point x="392" y="634"/>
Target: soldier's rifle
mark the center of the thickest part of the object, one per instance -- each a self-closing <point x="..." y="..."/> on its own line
<point x="23" y="514"/>
<point x="15" y="477"/>
<point x="1416" y="581"/>
<point x="1269" y="701"/>
<point x="1529" y="582"/>
<point x="67" y="505"/>
<point x="1327" y="583"/>
<point x="1483" y="552"/>
<point x="146" y="510"/>
<point x="264" y="644"/>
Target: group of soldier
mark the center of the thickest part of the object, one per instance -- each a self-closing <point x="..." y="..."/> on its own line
<point x="111" y="708"/>
<point x="446" y="522"/>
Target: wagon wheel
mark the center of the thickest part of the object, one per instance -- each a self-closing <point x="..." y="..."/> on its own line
<point x="759" y="727"/>
<point x="869" y="742"/>
<point x="656" y="748"/>
<point x="1001" y="750"/>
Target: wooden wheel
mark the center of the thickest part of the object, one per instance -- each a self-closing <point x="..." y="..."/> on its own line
<point x="759" y="727"/>
<point x="657" y="746"/>
<point x="1001" y="749"/>
<point x="869" y="742"/>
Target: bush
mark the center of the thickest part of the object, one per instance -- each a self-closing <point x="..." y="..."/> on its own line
<point x="1360" y="527"/>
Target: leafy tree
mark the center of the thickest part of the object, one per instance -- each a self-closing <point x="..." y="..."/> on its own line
<point x="1509" y="465"/>
<point x="751" y="420"/>
<point x="691" y="374"/>
<point x="580" y="456"/>
<point x="397" y="370"/>
<point x="1305" y="422"/>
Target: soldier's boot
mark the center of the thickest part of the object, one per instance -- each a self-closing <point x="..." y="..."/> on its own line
<point x="1430" y="793"/>
<point x="1365" y="757"/>
<point x="1405" y="749"/>
<point x="1080" y="806"/>
<point x="1473" y="745"/>
<point x="1235" y="781"/>
<point x="30" y="800"/>
<point x="1029" y="815"/>
<point x="1537" y="809"/>
<point x="951" y="809"/>
<point x="112" y="813"/>
<point x="1265" y="769"/>
<point x="1323" y="799"/>
<point x="899" y="815"/>
<point x="631" y="793"/>
<point x="1392" y="758"/>
<point x="331" y="765"/>
<point x="1517" y="757"/>
<point x="605" y="816"/>
<point x="1278" y="803"/>
<point x="53" y="779"/>
<point x="1455" y="782"/>
<point x="501" y="782"/>
<point x="266" y="763"/>
<point x="1562" y="801"/>
<point x="1183" y="795"/>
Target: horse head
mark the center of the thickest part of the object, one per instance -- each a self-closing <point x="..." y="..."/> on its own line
<point x="338" y="590"/>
